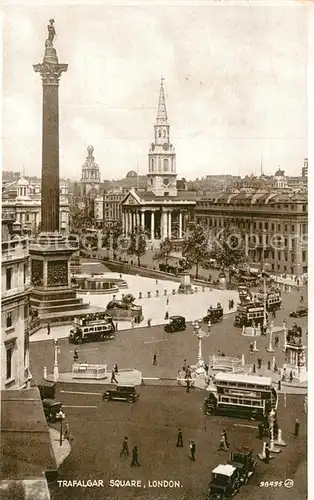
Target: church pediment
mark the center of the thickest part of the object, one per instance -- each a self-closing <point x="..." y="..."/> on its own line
<point x="131" y="199"/>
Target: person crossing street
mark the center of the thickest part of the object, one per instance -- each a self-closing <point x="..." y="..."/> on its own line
<point x="125" y="447"/>
<point x="113" y="376"/>
<point x="135" y="457"/>
<point x="179" y="439"/>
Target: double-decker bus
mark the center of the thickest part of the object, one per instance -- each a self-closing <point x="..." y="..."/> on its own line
<point x="249" y="314"/>
<point x="92" y="327"/>
<point x="273" y="300"/>
<point x="241" y="395"/>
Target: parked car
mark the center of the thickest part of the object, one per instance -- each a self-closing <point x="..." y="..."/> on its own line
<point x="121" y="393"/>
<point x="176" y="324"/>
<point x="51" y="409"/>
<point x="225" y="483"/>
<point x="298" y="312"/>
<point x="244" y="462"/>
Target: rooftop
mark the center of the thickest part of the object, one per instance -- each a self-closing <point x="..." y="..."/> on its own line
<point x="26" y="448"/>
<point x="225" y="470"/>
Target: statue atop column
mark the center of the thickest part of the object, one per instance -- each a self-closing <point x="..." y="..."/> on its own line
<point x="50" y="69"/>
<point x="51" y="30"/>
<point x="50" y="52"/>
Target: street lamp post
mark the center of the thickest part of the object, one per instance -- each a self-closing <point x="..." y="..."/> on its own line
<point x="270" y="346"/>
<point x="200" y="365"/>
<point x="265" y="305"/>
<point x="55" y="366"/>
<point x="61" y="416"/>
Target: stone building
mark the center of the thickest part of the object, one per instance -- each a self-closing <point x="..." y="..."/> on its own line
<point x="162" y="211"/>
<point x="26" y="205"/>
<point x="273" y="223"/>
<point x="90" y="182"/>
<point x="15" y="291"/>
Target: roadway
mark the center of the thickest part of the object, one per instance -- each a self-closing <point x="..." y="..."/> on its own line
<point x="151" y="423"/>
<point x="135" y="348"/>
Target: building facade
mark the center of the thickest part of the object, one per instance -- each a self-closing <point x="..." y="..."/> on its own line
<point x="272" y="225"/>
<point x="162" y="211"/>
<point x="26" y="206"/>
<point x="15" y="291"/>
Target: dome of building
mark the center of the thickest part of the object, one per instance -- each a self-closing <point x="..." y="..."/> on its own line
<point x="22" y="182"/>
<point x="131" y="173"/>
<point x="280" y="173"/>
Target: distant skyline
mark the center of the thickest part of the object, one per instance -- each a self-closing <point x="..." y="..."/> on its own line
<point x="235" y="85"/>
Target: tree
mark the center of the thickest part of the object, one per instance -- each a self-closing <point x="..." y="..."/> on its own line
<point x="227" y="248"/>
<point x="164" y="251"/>
<point x="195" y="246"/>
<point x="137" y="243"/>
<point x="111" y="237"/>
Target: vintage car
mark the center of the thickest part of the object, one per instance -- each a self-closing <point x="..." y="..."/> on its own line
<point x="214" y="315"/>
<point x="52" y="409"/>
<point x="121" y="393"/>
<point x="244" y="462"/>
<point x="298" y="312"/>
<point x="46" y="388"/>
<point x="176" y="324"/>
<point x="224" y="484"/>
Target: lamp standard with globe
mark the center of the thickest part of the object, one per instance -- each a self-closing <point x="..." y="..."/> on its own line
<point x="200" y="365"/>
<point x="61" y="416"/>
<point x="55" y="365"/>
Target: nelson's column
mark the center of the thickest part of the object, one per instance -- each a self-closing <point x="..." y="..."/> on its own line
<point x="52" y="296"/>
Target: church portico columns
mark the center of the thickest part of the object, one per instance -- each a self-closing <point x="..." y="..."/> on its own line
<point x="164" y="224"/>
<point x="143" y="219"/>
<point x="180" y="225"/>
<point x="169" y="225"/>
<point x="152" y="226"/>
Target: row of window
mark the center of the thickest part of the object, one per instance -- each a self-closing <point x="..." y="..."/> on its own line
<point x="279" y="206"/>
<point x="243" y="402"/>
<point x="291" y="228"/>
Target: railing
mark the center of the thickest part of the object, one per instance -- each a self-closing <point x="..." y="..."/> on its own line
<point x="89" y="371"/>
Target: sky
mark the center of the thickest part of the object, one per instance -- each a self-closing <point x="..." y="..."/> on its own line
<point x="235" y="86"/>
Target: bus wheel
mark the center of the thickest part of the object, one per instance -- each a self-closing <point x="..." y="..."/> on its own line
<point x="78" y="340"/>
<point x="209" y="411"/>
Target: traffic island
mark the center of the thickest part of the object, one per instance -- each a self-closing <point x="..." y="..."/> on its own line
<point x="61" y="451"/>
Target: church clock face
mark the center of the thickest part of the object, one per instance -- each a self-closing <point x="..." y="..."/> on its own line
<point x="166" y="182"/>
<point x="165" y="146"/>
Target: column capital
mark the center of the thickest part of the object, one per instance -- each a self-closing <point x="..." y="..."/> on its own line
<point x="50" y="72"/>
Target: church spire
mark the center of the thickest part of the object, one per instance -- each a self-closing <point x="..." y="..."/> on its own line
<point x="162" y="110"/>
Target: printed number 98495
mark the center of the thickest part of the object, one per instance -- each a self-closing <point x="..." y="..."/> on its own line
<point x="270" y="484"/>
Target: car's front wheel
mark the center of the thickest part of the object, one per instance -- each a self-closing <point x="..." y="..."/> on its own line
<point x="106" y="397"/>
<point x="131" y="399"/>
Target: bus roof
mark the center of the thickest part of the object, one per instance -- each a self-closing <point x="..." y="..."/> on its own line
<point x="242" y="377"/>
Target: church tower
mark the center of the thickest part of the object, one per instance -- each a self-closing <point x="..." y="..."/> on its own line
<point x="162" y="177"/>
<point x="90" y="179"/>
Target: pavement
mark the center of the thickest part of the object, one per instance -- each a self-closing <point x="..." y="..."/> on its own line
<point x="193" y="306"/>
<point x="60" y="452"/>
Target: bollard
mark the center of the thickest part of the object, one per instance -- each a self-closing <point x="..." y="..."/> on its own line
<point x="273" y="363"/>
<point x="243" y="330"/>
<point x="243" y="360"/>
<point x="254" y="368"/>
<point x="148" y="295"/>
<point x="117" y="326"/>
<point x="45" y="372"/>
<point x="255" y="346"/>
<point x="140" y="295"/>
<point x="268" y="365"/>
<point x="165" y="291"/>
<point x="157" y="293"/>
<point x="285" y="399"/>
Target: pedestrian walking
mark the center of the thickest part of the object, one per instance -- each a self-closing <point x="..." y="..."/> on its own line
<point x="206" y="368"/>
<point x="179" y="439"/>
<point x="135" y="457"/>
<point x="260" y="430"/>
<point x="155" y="359"/>
<point x="226" y="437"/>
<point x="259" y="363"/>
<point x="167" y="315"/>
<point x="275" y="429"/>
<point x="113" y="376"/>
<point x="187" y="385"/>
<point x="167" y="301"/>
<point x="185" y="364"/>
<point x="296" y="427"/>
<point x="116" y="369"/>
<point x="276" y="341"/>
<point x="149" y="322"/>
<point x="48" y="328"/>
<point x="223" y="445"/>
<point x="192" y="451"/>
<point x="251" y="347"/>
<point x="291" y="376"/>
<point x="279" y="385"/>
<point x="301" y="299"/>
<point x="75" y="355"/>
<point x="125" y="447"/>
<point x="274" y="314"/>
<point x="209" y="325"/>
<point x="156" y="282"/>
